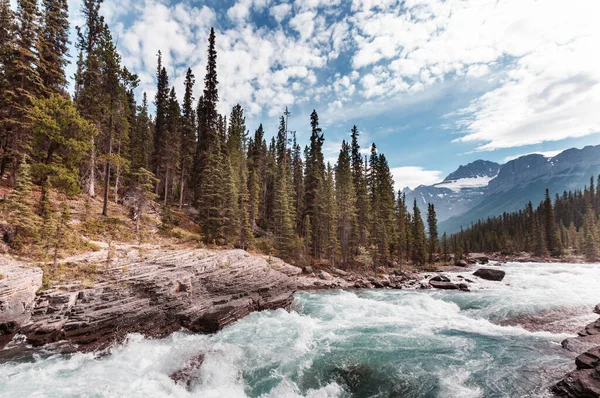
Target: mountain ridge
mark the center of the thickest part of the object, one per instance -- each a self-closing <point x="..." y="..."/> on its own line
<point x="471" y="192"/>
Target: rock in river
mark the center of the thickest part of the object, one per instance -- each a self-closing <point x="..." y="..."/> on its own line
<point x="490" y="274"/>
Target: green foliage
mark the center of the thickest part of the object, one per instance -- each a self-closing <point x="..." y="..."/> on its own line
<point x="19" y="209"/>
<point x="61" y="139"/>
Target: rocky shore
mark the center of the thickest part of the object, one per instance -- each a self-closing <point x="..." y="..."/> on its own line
<point x="158" y="291"/>
<point x="584" y="382"/>
<point x="200" y="290"/>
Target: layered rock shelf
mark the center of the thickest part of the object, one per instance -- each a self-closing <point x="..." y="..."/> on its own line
<point x="584" y="382"/>
<point x="200" y="290"/>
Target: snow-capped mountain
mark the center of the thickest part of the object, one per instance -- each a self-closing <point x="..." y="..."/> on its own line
<point x="459" y="192"/>
<point x="526" y="179"/>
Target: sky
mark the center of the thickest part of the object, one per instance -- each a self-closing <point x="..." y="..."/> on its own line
<point x="434" y="83"/>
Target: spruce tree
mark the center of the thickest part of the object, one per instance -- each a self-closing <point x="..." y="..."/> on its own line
<point x="590" y="235"/>
<point x="24" y="82"/>
<point x="346" y="205"/>
<point x="433" y="231"/>
<point x="550" y="227"/>
<point x="161" y="133"/>
<point x="360" y="187"/>
<point x="20" y="208"/>
<point x="62" y="230"/>
<point x="298" y="182"/>
<point x="187" y="139"/>
<point x="54" y="45"/>
<point x="61" y="141"/>
<point x="445" y="247"/>
<point x="208" y="120"/>
<point x="7" y="43"/>
<point x="313" y="180"/>
<point x="89" y="91"/>
<point x="419" y="252"/>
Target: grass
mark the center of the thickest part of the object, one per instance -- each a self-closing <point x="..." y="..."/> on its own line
<point x="84" y="273"/>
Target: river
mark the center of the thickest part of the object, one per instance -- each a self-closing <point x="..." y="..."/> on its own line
<point x="368" y="343"/>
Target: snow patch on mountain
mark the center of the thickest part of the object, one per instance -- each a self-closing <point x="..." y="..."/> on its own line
<point x="466" y="183"/>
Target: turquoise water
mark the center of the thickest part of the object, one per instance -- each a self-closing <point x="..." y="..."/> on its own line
<point x="378" y="343"/>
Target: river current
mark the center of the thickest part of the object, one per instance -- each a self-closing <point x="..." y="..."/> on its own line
<point x="500" y="340"/>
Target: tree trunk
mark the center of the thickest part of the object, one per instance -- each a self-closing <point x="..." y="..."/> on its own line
<point x="166" y="186"/>
<point x="118" y="173"/>
<point x="181" y="187"/>
<point x="91" y="185"/>
<point x="107" y="168"/>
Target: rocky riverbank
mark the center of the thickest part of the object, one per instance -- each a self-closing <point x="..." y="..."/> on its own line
<point x="199" y="290"/>
<point x="156" y="291"/>
<point x="584" y="382"/>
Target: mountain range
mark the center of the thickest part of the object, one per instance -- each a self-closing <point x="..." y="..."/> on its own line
<point x="484" y="189"/>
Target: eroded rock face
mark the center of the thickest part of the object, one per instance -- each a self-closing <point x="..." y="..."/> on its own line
<point x="200" y="290"/>
<point x="18" y="285"/>
<point x="585" y="381"/>
<point x="490" y="274"/>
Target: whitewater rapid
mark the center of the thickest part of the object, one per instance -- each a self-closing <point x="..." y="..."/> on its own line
<point x="370" y="343"/>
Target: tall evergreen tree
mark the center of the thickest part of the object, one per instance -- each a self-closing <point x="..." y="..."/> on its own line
<point x="188" y="137"/>
<point x="360" y="187"/>
<point x="208" y="118"/>
<point x="24" y="82"/>
<point x="161" y="133"/>
<point x="433" y="231"/>
<point x="54" y="45"/>
<point x="419" y="253"/>
<point x="89" y="92"/>
<point x="7" y="45"/>
<point x="346" y="205"/>
<point x="550" y="227"/>
<point x="314" y="176"/>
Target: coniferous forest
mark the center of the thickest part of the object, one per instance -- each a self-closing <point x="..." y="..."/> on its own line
<point x="239" y="187"/>
<point x="570" y="223"/>
<point x="242" y="189"/>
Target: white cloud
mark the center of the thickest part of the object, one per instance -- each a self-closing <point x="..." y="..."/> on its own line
<point x="546" y="154"/>
<point x="280" y="11"/>
<point x="413" y="176"/>
<point x="537" y="59"/>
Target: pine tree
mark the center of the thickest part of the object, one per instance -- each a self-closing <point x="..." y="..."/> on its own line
<point x="402" y="228"/>
<point x="541" y="246"/>
<point x="140" y="194"/>
<point x="62" y="230"/>
<point x="24" y="82"/>
<point x="255" y="167"/>
<point x="445" y="247"/>
<point x="89" y="93"/>
<point x="419" y="254"/>
<point x="19" y="208"/>
<point x="7" y="45"/>
<point x="61" y="141"/>
<point x="360" y="188"/>
<point x="313" y="180"/>
<point x="161" y="133"/>
<point x="54" y="45"/>
<point x="207" y="120"/>
<point x="346" y="205"/>
<point x="298" y="182"/>
<point x="550" y="227"/>
<point x="140" y="150"/>
<point x="328" y="212"/>
<point x="433" y="232"/>
<point x="590" y="236"/>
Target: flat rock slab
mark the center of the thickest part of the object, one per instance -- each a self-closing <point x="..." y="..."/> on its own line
<point x="196" y="289"/>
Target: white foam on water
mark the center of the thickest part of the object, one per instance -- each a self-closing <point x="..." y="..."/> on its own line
<point x="434" y="343"/>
